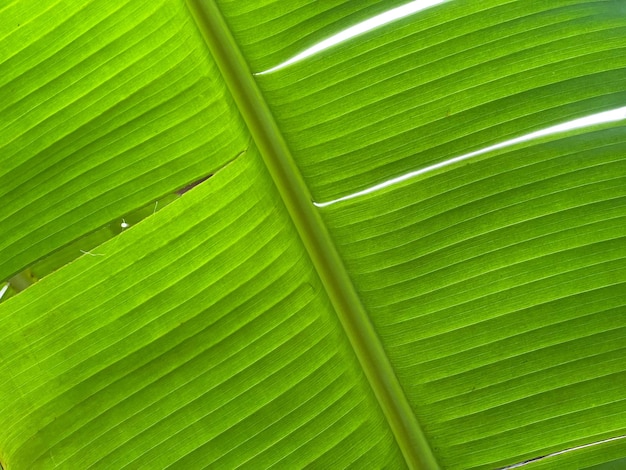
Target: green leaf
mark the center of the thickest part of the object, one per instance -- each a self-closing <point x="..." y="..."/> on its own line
<point x="105" y="107"/>
<point x="369" y="272"/>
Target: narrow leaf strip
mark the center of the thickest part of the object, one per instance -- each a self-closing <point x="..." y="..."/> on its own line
<point x="613" y="115"/>
<point x="313" y="232"/>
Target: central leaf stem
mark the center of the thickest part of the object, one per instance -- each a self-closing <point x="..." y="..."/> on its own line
<point x="314" y="234"/>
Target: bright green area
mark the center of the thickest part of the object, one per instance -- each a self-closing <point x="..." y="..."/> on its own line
<point x="476" y="312"/>
<point x="200" y="338"/>
<point x="105" y="107"/>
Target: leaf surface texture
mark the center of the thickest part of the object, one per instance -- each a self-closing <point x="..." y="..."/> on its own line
<point x="206" y="335"/>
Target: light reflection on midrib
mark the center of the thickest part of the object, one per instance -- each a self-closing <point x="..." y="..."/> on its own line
<point x="357" y="30"/>
<point x="587" y="121"/>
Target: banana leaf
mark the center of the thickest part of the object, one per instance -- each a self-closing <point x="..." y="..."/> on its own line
<point x="312" y="234"/>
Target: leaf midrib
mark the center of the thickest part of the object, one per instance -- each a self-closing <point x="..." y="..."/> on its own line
<point x="314" y="235"/>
